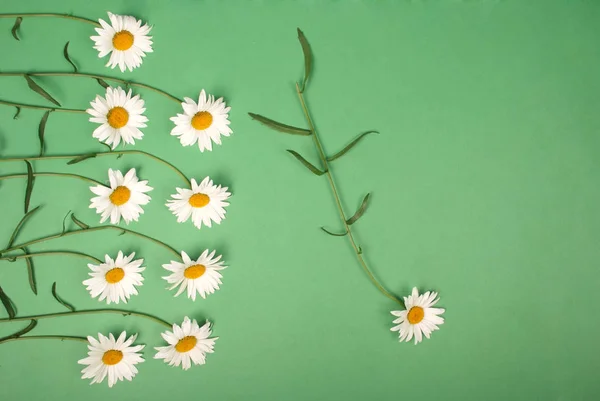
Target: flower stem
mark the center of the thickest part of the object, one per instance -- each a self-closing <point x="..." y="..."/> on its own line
<point x="94" y="76"/>
<point x="56" y="15"/>
<point x="51" y="253"/>
<point x="81" y="177"/>
<point x="336" y="196"/>
<point x="62" y="338"/>
<point x="31" y="106"/>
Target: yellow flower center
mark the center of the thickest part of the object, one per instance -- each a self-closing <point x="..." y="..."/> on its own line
<point x="415" y="315"/>
<point x="186" y="344"/>
<point x="112" y="357"/>
<point x="117" y="117"/>
<point x="123" y="40"/>
<point x="114" y="275"/>
<point x="202" y="120"/>
<point x="195" y="271"/>
<point x="199" y="200"/>
<point x="120" y="195"/>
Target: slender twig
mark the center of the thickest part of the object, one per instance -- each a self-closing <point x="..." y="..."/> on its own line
<point x="94" y="76"/>
<point x="100" y="154"/>
<point x="336" y="196"/>
<point x="56" y="15"/>
<point x="31" y="106"/>
<point x="51" y="253"/>
<point x="66" y="175"/>
<point x="62" y="338"/>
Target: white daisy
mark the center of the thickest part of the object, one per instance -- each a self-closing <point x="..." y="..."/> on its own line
<point x="204" y="122"/>
<point x="115" y="280"/>
<point x="122" y="199"/>
<point x="188" y="343"/>
<point x="201" y="276"/>
<point x="125" y="38"/>
<point x="419" y="317"/>
<point x="204" y="203"/>
<point x="119" y="115"/>
<point x="113" y="358"/>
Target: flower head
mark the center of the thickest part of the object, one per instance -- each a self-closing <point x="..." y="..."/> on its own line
<point x="200" y="276"/>
<point x="419" y="317"/>
<point x="115" y="280"/>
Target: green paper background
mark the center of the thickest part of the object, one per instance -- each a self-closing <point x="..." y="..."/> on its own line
<point x="485" y="182"/>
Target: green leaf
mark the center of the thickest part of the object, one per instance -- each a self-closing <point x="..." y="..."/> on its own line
<point x="42" y="130"/>
<point x="122" y="233"/>
<point x="334" y="234"/>
<point x="306" y="163"/>
<point x="8" y="304"/>
<point x="13" y="237"/>
<point x="17" y="113"/>
<point x="16" y="27"/>
<point x="64" y="230"/>
<point x="60" y="300"/>
<point x="66" y="54"/>
<point x="279" y="126"/>
<point x="350" y="146"/>
<point x="81" y="158"/>
<point x="80" y="223"/>
<point x="361" y="210"/>
<point x="307" y="57"/>
<point x="30" y="272"/>
<point x="102" y="83"/>
<point x="29" y="188"/>
<point x="38" y="89"/>
<point x="21" y="332"/>
<point x="107" y="145"/>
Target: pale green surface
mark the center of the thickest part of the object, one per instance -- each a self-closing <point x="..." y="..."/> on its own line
<point x="485" y="183"/>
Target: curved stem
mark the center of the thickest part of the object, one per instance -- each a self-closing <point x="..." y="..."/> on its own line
<point x="51" y="337"/>
<point x="94" y="76"/>
<point x="336" y="196"/>
<point x="31" y="106"/>
<point x="51" y="253"/>
<point x="89" y="312"/>
<point x="81" y="177"/>
<point x="56" y="15"/>
<point x="100" y="154"/>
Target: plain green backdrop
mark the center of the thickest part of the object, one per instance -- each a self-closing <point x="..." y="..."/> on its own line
<point x="485" y="182"/>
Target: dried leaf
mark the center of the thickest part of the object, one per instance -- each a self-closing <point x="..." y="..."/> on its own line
<point x="29" y="187"/>
<point x="17" y="113"/>
<point x="15" y="28"/>
<point x="81" y="158"/>
<point x="350" y="146"/>
<point x="279" y="126"/>
<point x="30" y="272"/>
<point x="13" y="237"/>
<point x="8" y="304"/>
<point x="334" y="234"/>
<point x="38" y="89"/>
<point x="102" y="83"/>
<point x="306" y="163"/>
<point x="307" y="57"/>
<point x="66" y="54"/>
<point x="361" y="210"/>
<point x="60" y="300"/>
<point x="42" y="130"/>
<point x="80" y="223"/>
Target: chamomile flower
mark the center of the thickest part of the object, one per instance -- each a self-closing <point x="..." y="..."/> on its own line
<point x="203" y="122"/>
<point x="187" y="344"/>
<point x="113" y="358"/>
<point x="120" y="117"/>
<point x="204" y="203"/>
<point x="200" y="276"/>
<point x="115" y="280"/>
<point x="419" y="318"/>
<point x="124" y="198"/>
<point x="125" y="39"/>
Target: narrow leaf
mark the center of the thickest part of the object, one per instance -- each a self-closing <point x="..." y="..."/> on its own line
<point x="81" y="158"/>
<point x="38" y="89"/>
<point x="11" y="260"/>
<point x="350" y="146"/>
<point x="307" y="57"/>
<point x="279" y="126"/>
<point x="108" y="146"/>
<point x="42" y="130"/>
<point x="334" y="234"/>
<point x="17" y="113"/>
<point x="80" y="223"/>
<point x="102" y="83"/>
<point x="8" y="304"/>
<point x="29" y="188"/>
<point x="30" y="272"/>
<point x="21" y="332"/>
<point x="361" y="210"/>
<point x="13" y="237"/>
<point x="122" y="233"/>
<point x="306" y="163"/>
<point x="60" y="300"/>
<point x="66" y="54"/>
<point x="16" y="27"/>
<point x="64" y="230"/>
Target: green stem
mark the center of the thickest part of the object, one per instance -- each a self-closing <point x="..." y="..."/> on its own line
<point x="338" y="203"/>
<point x="51" y="253"/>
<point x="94" y="76"/>
<point x="62" y="338"/>
<point x="56" y="15"/>
<point x="80" y="177"/>
<point x="31" y="106"/>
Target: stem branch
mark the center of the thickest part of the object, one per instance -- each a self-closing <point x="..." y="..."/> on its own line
<point x="51" y="253"/>
<point x="56" y="15"/>
<point x="81" y="177"/>
<point x="31" y="106"/>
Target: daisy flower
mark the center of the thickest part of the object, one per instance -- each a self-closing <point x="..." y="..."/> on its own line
<point x="115" y="280"/>
<point x="204" y="203"/>
<point x="201" y="276"/>
<point x="119" y="115"/>
<point x="419" y="317"/>
<point x="122" y="199"/>
<point x="188" y="343"/>
<point x="125" y="39"/>
<point x="115" y="358"/>
<point x="203" y="122"/>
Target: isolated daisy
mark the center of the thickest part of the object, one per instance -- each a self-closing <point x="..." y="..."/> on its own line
<point x="113" y="358"/>
<point x="204" y="203"/>
<point x="188" y="343"/>
<point x="201" y="276"/>
<point x="419" y="317"/>
<point x="119" y="115"/>
<point x="123" y="199"/>
<point x="125" y="39"/>
<point x="203" y="122"/>
<point x="115" y="280"/>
